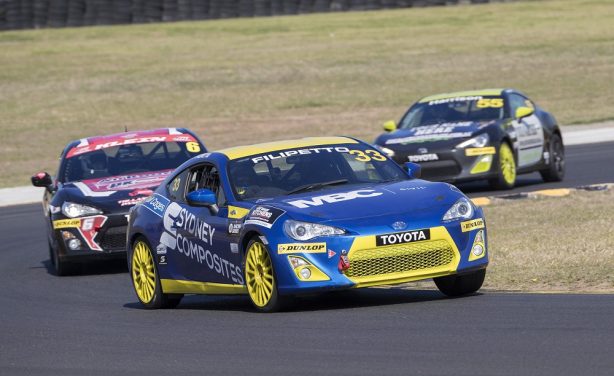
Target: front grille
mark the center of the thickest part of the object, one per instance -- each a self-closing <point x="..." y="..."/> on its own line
<point x="440" y="169"/>
<point x="113" y="238"/>
<point x="402" y="258"/>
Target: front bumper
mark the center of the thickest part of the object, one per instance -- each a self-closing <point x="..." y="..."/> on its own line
<point x="447" y="251"/>
<point x="99" y="236"/>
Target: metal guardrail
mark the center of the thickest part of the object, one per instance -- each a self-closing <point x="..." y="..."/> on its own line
<point x="27" y="14"/>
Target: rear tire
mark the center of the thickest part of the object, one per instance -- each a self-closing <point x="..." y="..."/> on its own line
<point x="506" y="168"/>
<point x="556" y="166"/>
<point x="458" y="285"/>
<point x="146" y="280"/>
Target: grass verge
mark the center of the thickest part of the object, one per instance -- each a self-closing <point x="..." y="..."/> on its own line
<point x="247" y="80"/>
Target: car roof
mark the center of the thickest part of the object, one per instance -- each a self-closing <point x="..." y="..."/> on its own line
<point x="470" y="93"/>
<point x="247" y="150"/>
<point x="132" y="135"/>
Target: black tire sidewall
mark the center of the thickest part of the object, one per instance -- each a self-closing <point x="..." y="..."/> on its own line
<point x="158" y="298"/>
<point x="274" y="303"/>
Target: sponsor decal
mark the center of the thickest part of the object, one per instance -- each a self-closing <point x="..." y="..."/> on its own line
<point x="331" y="253"/>
<point x="131" y="201"/>
<point x="105" y="187"/>
<point x="87" y="226"/>
<point x="235" y="212"/>
<point x="455" y="99"/>
<point x="234" y="227"/>
<point x="66" y="223"/>
<point x="162" y="260"/>
<point x="435" y="132"/>
<point x="105" y="142"/>
<point x="284" y="249"/>
<point x="234" y="248"/>
<point x="264" y="216"/>
<point x="403" y="237"/>
<point x="180" y="227"/>
<point x="472" y="225"/>
<point x="289" y="153"/>
<point x="141" y="192"/>
<point x="156" y="204"/>
<point x="335" y="197"/>
<point x="412" y="188"/>
<point x="472" y="152"/>
<point x="423" y="157"/>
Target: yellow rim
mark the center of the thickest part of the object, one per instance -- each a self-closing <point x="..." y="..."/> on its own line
<point x="143" y="272"/>
<point x="259" y="274"/>
<point x="507" y="164"/>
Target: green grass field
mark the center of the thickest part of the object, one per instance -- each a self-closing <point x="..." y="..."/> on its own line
<point x="247" y="80"/>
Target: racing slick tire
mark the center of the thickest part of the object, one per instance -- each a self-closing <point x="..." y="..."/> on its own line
<point x="556" y="166"/>
<point x="458" y="285"/>
<point x="506" y="168"/>
<point x="260" y="278"/>
<point x="146" y="280"/>
<point x="60" y="267"/>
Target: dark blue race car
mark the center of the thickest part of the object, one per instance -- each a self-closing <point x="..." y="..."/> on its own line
<point x="491" y="135"/>
<point x="303" y="216"/>
<point x="98" y="180"/>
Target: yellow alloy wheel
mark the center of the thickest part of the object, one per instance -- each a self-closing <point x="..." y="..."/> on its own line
<point x="259" y="275"/>
<point x="507" y="164"/>
<point x="143" y="272"/>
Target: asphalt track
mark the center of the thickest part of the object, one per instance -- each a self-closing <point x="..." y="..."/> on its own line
<point x="90" y="323"/>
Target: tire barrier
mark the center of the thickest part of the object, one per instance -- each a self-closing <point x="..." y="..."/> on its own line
<point x="26" y="14"/>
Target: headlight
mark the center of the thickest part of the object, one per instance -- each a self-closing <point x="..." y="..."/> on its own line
<point x="72" y="210"/>
<point x="462" y="209"/>
<point x="304" y="230"/>
<point x="385" y="150"/>
<point x="475" y="142"/>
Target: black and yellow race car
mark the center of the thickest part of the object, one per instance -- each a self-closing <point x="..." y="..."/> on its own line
<point x="492" y="134"/>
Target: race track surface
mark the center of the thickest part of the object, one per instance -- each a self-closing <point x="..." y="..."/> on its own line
<point x="90" y="323"/>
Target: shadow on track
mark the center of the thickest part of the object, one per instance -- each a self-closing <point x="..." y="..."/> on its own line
<point x="335" y="300"/>
<point x="89" y="268"/>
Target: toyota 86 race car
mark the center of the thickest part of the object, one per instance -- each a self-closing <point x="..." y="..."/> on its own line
<point x="303" y="216"/>
<point x="98" y="180"/>
<point x="491" y="135"/>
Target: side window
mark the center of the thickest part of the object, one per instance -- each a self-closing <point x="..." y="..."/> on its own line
<point x="177" y="186"/>
<point x="206" y="176"/>
<point x="515" y="102"/>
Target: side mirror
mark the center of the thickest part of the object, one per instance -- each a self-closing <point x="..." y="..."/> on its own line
<point x="413" y="170"/>
<point x="390" y="126"/>
<point x="203" y="197"/>
<point x="42" y="179"/>
<point x="523" y="112"/>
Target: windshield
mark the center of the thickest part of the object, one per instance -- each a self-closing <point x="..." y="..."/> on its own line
<point x="453" y="110"/>
<point x="294" y="171"/>
<point x="127" y="159"/>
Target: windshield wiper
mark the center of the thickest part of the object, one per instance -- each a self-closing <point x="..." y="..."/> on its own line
<point x="309" y="187"/>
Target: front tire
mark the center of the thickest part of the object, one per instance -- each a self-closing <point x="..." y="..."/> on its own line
<point x="556" y="166"/>
<point x="146" y="280"/>
<point x="260" y="278"/>
<point x="458" y="285"/>
<point x="60" y="267"/>
<point x="506" y="168"/>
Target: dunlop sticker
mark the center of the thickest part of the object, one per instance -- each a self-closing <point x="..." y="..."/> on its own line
<point x="66" y="223"/>
<point x="283" y="249"/>
<point x="472" y="152"/>
<point x="472" y="225"/>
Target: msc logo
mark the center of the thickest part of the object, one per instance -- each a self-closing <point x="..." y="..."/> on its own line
<point x="335" y="197"/>
<point x="283" y="249"/>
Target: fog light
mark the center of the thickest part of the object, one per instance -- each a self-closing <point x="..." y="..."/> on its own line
<point x="305" y="273"/>
<point x="74" y="244"/>
<point x="477" y="250"/>
<point x="67" y="235"/>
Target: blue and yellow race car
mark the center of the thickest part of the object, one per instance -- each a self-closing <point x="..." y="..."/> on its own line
<point x="302" y="216"/>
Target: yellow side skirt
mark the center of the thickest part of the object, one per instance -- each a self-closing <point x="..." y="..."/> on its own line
<point x="175" y="286"/>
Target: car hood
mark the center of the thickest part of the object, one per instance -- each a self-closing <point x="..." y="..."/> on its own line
<point x="446" y="135"/>
<point x="369" y="205"/>
<point x="114" y="193"/>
